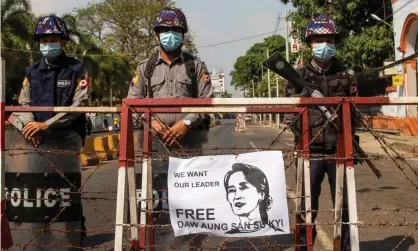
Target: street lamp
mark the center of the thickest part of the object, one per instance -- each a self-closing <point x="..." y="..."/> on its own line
<point x="375" y="17"/>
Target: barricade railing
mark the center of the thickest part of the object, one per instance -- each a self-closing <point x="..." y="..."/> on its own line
<point x="142" y="226"/>
<point x="344" y="157"/>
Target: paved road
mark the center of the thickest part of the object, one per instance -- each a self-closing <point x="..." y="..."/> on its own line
<point x="393" y="191"/>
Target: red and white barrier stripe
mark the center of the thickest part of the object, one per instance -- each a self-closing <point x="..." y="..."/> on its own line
<point x="236" y="105"/>
<point x="65" y="109"/>
<point x="126" y="179"/>
<point x="6" y="237"/>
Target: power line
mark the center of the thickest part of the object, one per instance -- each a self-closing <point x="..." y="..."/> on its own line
<point x="203" y="46"/>
<point x="37" y="52"/>
<point x="367" y="19"/>
<point x="237" y="40"/>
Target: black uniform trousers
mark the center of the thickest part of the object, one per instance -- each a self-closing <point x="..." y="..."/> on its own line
<point x="318" y="168"/>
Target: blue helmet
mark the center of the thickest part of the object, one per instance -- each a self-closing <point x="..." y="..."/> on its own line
<point x="171" y="18"/>
<point x="51" y="25"/>
<point x="321" y="25"/>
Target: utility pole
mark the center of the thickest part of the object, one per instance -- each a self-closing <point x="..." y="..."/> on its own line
<point x="287" y="36"/>
<point x="269" y="86"/>
<point x="287" y="58"/>
<point x="254" y="115"/>
<point x="252" y="81"/>
<point x="262" y="115"/>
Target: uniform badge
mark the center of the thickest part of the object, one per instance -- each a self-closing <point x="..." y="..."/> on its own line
<point x="84" y="82"/>
<point x="63" y="83"/>
<point x="135" y="79"/>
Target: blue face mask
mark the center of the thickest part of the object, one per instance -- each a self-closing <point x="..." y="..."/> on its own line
<point x="323" y="51"/>
<point x="171" y="40"/>
<point x="51" y="50"/>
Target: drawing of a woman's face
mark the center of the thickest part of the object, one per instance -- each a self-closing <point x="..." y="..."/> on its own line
<point x="242" y="196"/>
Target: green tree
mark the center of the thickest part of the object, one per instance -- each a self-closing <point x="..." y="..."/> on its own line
<point x="247" y="67"/>
<point x="123" y="31"/>
<point x="126" y="26"/>
<point x="110" y="37"/>
<point x="15" y="39"/>
<point x="14" y="17"/>
<point x="262" y="86"/>
<point x="363" y="42"/>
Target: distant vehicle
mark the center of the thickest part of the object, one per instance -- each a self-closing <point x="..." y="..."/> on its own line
<point x="248" y="117"/>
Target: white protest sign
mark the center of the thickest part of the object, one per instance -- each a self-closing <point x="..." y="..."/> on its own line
<point x="229" y="195"/>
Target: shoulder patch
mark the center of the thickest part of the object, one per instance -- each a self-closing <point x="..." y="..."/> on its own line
<point x="205" y="76"/>
<point x="25" y="81"/>
<point x="83" y="81"/>
<point x="135" y="79"/>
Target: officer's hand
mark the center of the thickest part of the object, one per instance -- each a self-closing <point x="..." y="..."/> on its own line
<point x="157" y="126"/>
<point x="32" y="128"/>
<point x="35" y="140"/>
<point x="176" y="132"/>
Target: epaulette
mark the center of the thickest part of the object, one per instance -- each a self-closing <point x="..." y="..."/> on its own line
<point x="195" y="58"/>
<point x="29" y="68"/>
<point x="75" y="64"/>
<point x="143" y="62"/>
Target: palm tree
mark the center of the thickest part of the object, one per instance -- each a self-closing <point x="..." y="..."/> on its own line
<point x="15" y="15"/>
<point x="15" y="19"/>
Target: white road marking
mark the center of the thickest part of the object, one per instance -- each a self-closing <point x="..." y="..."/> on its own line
<point x="321" y="234"/>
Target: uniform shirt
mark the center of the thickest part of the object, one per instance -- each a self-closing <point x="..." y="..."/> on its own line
<point x="60" y="120"/>
<point x="171" y="81"/>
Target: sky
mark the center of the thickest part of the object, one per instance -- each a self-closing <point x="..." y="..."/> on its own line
<point x="211" y="22"/>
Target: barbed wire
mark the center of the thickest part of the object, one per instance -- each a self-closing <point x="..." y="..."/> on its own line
<point x="387" y="148"/>
<point x="211" y="151"/>
<point x="325" y="223"/>
<point x="290" y="155"/>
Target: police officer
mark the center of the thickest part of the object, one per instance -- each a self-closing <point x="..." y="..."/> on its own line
<point x="57" y="80"/>
<point x="328" y="75"/>
<point x="170" y="76"/>
<point x="173" y="73"/>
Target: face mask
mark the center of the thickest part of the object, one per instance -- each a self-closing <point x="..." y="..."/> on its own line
<point x="171" y="40"/>
<point x="323" y="51"/>
<point x="51" y="50"/>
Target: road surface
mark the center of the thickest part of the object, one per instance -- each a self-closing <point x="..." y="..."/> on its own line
<point x="391" y="192"/>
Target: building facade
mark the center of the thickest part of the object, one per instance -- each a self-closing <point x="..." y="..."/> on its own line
<point x="218" y="83"/>
<point x="405" y="24"/>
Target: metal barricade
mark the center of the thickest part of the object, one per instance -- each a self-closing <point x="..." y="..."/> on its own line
<point x="144" y="230"/>
<point x="143" y="223"/>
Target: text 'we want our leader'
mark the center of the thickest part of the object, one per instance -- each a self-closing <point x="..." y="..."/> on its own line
<point x="196" y="183"/>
